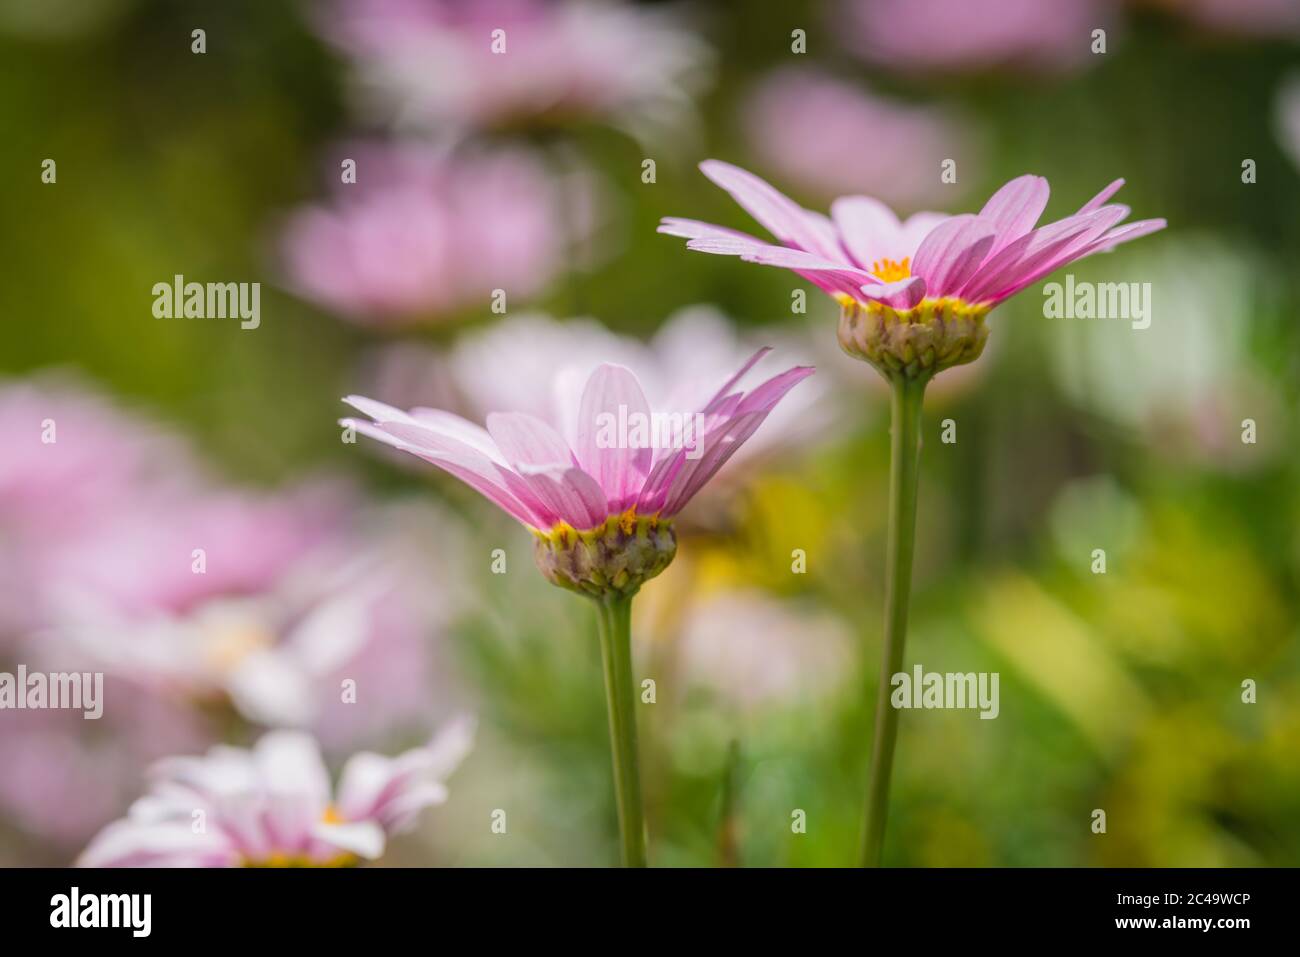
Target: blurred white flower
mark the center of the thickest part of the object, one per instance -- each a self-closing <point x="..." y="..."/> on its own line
<point x="288" y="603"/>
<point x="273" y="806"/>
<point x="756" y="652"/>
<point x="1184" y="384"/>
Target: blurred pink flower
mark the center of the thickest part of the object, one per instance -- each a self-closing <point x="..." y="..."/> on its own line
<point x="577" y="477"/>
<point x="175" y="548"/>
<point x="421" y="235"/>
<point x="64" y="779"/>
<point x="824" y="135"/>
<point x="293" y="593"/>
<point x="863" y="253"/>
<point x="72" y="457"/>
<point x="966" y="35"/>
<point x="441" y="64"/>
<point x="274" y="805"/>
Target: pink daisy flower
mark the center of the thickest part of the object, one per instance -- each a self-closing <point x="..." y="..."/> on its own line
<point x="273" y="806"/>
<point x="599" y="493"/>
<point x="913" y="296"/>
<point x="590" y="482"/>
<point x="422" y="235"/>
<point x="914" y="292"/>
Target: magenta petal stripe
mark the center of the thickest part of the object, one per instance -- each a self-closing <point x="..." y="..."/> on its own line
<point x="949" y="256"/>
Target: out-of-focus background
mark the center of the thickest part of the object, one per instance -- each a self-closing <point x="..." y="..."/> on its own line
<point x="528" y="173"/>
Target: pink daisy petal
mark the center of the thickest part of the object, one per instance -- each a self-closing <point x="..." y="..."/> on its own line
<point x="657" y="484"/>
<point x="546" y="467"/>
<point x="953" y="251"/>
<point x="1100" y="199"/>
<point x="490" y="479"/>
<point x="916" y="227"/>
<point x="831" y="277"/>
<point x="723" y="441"/>
<point x="378" y="411"/>
<point x="694" y="229"/>
<point x="718" y="446"/>
<point x="1064" y="252"/>
<point x="126" y="843"/>
<point x="781" y="216"/>
<point x="900" y="294"/>
<point x="1015" y="208"/>
<point x="570" y="493"/>
<point x="1026" y="254"/>
<point x="448" y="423"/>
<point x="764" y="397"/>
<point x="1124" y="234"/>
<point x="730" y="384"/>
<point x="525" y="440"/>
<point x="613" y="393"/>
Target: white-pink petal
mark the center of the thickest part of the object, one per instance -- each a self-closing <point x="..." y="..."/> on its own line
<point x="868" y="229"/>
<point x="527" y="440"/>
<point x="612" y="413"/>
<point x="781" y="216"/>
<point x="494" y="482"/>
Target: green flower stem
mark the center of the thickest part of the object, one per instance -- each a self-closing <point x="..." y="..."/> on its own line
<point x="614" y="615"/>
<point x="905" y="459"/>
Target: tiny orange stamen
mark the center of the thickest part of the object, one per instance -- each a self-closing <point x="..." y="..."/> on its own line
<point x="889" y="270"/>
<point x="627" y="521"/>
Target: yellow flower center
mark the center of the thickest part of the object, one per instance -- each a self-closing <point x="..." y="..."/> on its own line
<point x="626" y="522"/>
<point x="279" y="859"/>
<point x="228" y="645"/>
<point x="889" y="270"/>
